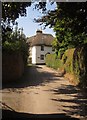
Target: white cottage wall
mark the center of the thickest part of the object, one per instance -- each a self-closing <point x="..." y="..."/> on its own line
<point x="48" y="49"/>
<point x="36" y="54"/>
<point x="30" y="52"/>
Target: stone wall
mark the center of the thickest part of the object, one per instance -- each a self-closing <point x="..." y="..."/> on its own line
<point x="12" y="66"/>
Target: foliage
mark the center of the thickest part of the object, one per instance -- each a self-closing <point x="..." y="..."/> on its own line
<point x="10" y="35"/>
<point x="73" y="13"/>
<point x="80" y="64"/>
<point x="11" y="11"/>
<point x="11" y="46"/>
<point x="74" y="62"/>
<point x="69" y="22"/>
<point x="67" y="60"/>
<point x="16" y="42"/>
<point x="16" y="46"/>
<point x="51" y="61"/>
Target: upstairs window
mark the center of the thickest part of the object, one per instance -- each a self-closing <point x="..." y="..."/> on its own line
<point x="42" y="48"/>
<point x="42" y="57"/>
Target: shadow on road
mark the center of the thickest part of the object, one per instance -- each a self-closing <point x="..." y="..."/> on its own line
<point x="31" y="77"/>
<point x="79" y="98"/>
<point x="11" y="115"/>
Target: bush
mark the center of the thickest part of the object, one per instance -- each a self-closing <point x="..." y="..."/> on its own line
<point x="11" y="46"/>
<point x="74" y="62"/>
<point x="80" y="64"/>
<point x="52" y="61"/>
<point x="16" y="46"/>
<point x="67" y="60"/>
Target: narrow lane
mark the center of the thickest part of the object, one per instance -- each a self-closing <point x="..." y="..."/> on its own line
<point x="44" y="91"/>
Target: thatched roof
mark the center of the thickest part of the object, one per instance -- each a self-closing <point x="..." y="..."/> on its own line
<point x="40" y="39"/>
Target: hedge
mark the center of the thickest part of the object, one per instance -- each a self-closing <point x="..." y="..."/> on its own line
<point x="74" y="62"/>
<point x="80" y="64"/>
<point x="52" y="61"/>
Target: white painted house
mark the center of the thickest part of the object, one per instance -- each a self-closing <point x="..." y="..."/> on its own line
<point x="40" y="46"/>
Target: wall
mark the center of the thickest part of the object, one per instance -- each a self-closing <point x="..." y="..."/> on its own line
<point x="12" y="66"/>
<point x="36" y="52"/>
<point x="34" y="55"/>
<point x="29" y="60"/>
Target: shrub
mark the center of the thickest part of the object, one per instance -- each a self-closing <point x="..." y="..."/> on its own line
<point x="16" y="46"/>
<point x="80" y="64"/>
<point x="67" y="60"/>
<point x="52" y="61"/>
<point x="74" y="62"/>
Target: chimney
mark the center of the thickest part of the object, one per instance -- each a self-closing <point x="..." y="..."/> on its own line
<point x="39" y="32"/>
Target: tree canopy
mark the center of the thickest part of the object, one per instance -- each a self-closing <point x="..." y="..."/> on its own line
<point x="11" y="11"/>
<point x="69" y="21"/>
<point x="75" y="13"/>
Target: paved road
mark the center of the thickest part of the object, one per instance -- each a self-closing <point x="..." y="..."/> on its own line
<point x="44" y="91"/>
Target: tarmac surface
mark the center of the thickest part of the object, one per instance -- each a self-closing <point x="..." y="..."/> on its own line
<point x="43" y="93"/>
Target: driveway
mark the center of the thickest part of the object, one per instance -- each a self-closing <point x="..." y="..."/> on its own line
<point x="42" y="91"/>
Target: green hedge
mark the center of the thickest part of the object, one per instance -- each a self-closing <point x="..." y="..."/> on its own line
<point x="67" y="60"/>
<point x="74" y="61"/>
<point x="11" y="47"/>
<point x="80" y="64"/>
<point x="52" y="61"/>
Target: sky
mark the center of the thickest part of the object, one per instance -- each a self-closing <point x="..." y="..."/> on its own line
<point x="30" y="27"/>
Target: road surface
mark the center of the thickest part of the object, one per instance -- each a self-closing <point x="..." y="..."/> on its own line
<point x="43" y="91"/>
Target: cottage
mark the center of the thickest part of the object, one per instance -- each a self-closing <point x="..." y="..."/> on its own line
<point x="40" y="46"/>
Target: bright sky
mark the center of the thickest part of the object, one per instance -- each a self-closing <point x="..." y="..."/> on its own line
<point x="30" y="27"/>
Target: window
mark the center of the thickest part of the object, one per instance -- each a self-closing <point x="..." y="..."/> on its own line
<point x="42" y="48"/>
<point x="47" y="54"/>
<point x="42" y="57"/>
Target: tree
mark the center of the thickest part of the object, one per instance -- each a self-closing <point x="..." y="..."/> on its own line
<point x="75" y="13"/>
<point x="11" y="11"/>
<point x="15" y="41"/>
<point x="69" y="21"/>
